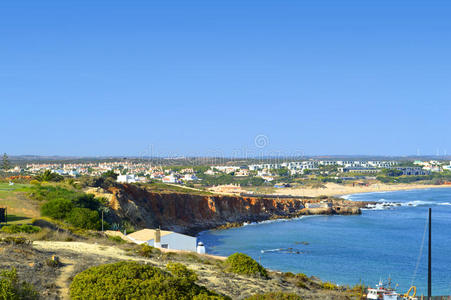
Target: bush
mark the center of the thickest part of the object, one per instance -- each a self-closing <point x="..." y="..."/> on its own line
<point x="275" y="296"/>
<point x="74" y="207"/>
<point x="243" y="264"/>
<point x="84" y="218"/>
<point x="12" y="288"/>
<point x="329" y="286"/>
<point x="181" y="271"/>
<point x="117" y="239"/>
<point x="20" y="228"/>
<point x="16" y="240"/>
<point x="57" y="208"/>
<point x="131" y="280"/>
<point x="148" y="251"/>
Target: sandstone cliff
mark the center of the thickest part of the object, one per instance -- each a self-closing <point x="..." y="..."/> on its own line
<point x="191" y="213"/>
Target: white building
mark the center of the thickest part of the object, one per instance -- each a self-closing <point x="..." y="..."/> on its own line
<point x="170" y="179"/>
<point x="190" y="177"/>
<point x="328" y="162"/>
<point x="164" y="239"/>
<point x="126" y="178"/>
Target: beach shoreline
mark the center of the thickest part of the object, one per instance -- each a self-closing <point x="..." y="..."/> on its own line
<point x="339" y="190"/>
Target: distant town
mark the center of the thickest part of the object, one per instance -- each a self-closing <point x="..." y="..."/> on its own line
<point x="234" y="175"/>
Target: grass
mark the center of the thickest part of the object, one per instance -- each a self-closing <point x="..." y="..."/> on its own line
<point x="20" y="209"/>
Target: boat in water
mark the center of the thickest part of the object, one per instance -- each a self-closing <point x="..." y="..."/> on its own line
<point x="382" y="292"/>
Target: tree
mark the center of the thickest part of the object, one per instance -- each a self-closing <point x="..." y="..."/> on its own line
<point x="49" y="176"/>
<point x="109" y="174"/>
<point x="5" y="162"/>
<point x="391" y="172"/>
<point x="283" y="172"/>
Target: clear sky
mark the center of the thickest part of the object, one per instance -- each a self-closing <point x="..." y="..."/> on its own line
<point x="202" y="77"/>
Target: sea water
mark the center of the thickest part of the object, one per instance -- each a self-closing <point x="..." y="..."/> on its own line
<point x="387" y="241"/>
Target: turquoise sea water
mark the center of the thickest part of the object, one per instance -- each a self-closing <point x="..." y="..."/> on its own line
<point x="381" y="242"/>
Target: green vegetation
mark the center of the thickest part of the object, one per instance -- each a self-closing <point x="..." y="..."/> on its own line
<point x="20" y="228"/>
<point x="275" y="296"/>
<point x="329" y="286"/>
<point x="110" y="174"/>
<point x="148" y="251"/>
<point x="434" y="178"/>
<point x="48" y="176"/>
<point x="391" y="172"/>
<point x="69" y="205"/>
<point x="131" y="280"/>
<point x="243" y="264"/>
<point x="117" y="239"/>
<point x="11" y="288"/>
<point x="181" y="271"/>
<point x="5" y="163"/>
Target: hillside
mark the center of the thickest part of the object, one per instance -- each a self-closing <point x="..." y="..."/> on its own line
<point x="52" y="282"/>
<point x="191" y="212"/>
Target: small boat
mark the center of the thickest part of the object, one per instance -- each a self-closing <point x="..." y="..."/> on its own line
<point x="382" y="292"/>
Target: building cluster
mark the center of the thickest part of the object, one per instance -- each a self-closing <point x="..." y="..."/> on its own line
<point x="131" y="172"/>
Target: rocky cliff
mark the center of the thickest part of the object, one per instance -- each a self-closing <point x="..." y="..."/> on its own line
<point x="191" y="213"/>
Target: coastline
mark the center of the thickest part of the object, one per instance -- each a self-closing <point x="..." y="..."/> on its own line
<point x="338" y="190"/>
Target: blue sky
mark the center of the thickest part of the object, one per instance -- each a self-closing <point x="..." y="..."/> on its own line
<point x="202" y="77"/>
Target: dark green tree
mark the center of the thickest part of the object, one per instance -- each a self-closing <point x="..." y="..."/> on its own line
<point x="49" y="176"/>
<point x="391" y="172"/>
<point x="110" y="174"/>
<point x="5" y="162"/>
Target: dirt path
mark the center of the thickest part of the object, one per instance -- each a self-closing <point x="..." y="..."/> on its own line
<point x="63" y="281"/>
<point x="84" y="248"/>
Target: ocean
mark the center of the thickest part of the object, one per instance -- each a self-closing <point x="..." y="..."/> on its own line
<point x="387" y="241"/>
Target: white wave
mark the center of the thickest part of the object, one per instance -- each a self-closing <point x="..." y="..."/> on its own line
<point x="422" y="203"/>
<point x="382" y="205"/>
<point x="418" y="203"/>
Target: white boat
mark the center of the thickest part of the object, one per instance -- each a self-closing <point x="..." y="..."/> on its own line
<point x="387" y="293"/>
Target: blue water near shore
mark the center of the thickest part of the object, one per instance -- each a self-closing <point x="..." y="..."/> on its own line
<point x="381" y="242"/>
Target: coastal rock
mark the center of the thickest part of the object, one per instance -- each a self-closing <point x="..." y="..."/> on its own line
<point x="191" y="213"/>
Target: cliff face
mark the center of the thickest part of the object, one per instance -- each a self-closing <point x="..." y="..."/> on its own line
<point x="191" y="213"/>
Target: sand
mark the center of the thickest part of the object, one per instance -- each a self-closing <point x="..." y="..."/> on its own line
<point x="334" y="189"/>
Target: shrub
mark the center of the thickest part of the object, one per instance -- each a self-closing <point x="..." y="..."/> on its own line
<point x="84" y="218"/>
<point x="329" y="286"/>
<point x="116" y="239"/>
<point x="57" y="208"/>
<point x="243" y="264"/>
<point x="20" y="228"/>
<point x="131" y="280"/>
<point x="181" y="271"/>
<point x="12" y="288"/>
<point x="16" y="240"/>
<point x="275" y="296"/>
<point x="302" y="277"/>
<point x="148" y="251"/>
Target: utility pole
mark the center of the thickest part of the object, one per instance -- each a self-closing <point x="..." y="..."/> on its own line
<point x="429" y="259"/>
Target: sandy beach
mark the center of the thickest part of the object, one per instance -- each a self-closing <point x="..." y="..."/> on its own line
<point x="334" y="189"/>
